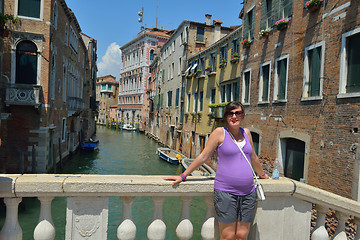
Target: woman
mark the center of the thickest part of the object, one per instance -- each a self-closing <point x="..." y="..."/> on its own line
<point x="234" y="188"/>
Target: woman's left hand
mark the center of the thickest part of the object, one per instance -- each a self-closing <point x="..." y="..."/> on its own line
<point x="265" y="176"/>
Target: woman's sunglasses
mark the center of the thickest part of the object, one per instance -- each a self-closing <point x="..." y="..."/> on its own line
<point x="237" y="113"/>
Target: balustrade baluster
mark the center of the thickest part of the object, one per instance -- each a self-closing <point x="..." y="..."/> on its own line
<point x="45" y="229"/>
<point x="127" y="228"/>
<point x="340" y="230"/>
<point x="319" y="232"/>
<point x="157" y="229"/>
<point x="11" y="229"/>
<point x="184" y="230"/>
<point x="209" y="229"/>
<point x="357" y="223"/>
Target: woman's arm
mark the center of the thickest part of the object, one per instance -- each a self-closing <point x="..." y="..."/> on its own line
<point x="215" y="138"/>
<point x="254" y="158"/>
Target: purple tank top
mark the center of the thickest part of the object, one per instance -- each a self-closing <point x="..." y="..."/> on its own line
<point x="233" y="174"/>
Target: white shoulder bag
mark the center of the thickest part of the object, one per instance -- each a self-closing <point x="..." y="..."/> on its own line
<point x="259" y="189"/>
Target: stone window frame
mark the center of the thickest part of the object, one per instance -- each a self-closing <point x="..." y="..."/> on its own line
<point x="37" y="39"/>
<point x="305" y="96"/>
<point x="276" y="79"/>
<point x="261" y="80"/>
<point x="343" y="66"/>
<point x="249" y="70"/>
<point x="40" y="18"/>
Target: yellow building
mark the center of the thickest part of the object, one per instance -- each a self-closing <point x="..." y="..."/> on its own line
<point x="212" y="80"/>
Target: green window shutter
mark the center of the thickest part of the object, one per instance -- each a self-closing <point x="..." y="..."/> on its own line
<point x="265" y="77"/>
<point x="287" y="6"/>
<point x="353" y="64"/>
<point x="177" y="97"/>
<point x="263" y="16"/>
<point x="29" y="8"/>
<point x="247" y="87"/>
<point x="253" y="23"/>
<point x="161" y="100"/>
<point x="246" y="27"/>
<point x="314" y="65"/>
<point x="282" y="69"/>
<point x="276" y="10"/>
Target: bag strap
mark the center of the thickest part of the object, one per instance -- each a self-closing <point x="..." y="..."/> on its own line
<point x="256" y="178"/>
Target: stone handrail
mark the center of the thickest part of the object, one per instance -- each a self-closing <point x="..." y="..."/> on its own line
<point x="285" y="214"/>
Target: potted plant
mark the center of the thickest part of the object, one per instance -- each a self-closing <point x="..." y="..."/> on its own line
<point x="235" y="57"/>
<point x="313" y="5"/>
<point x="282" y="23"/>
<point x="222" y="63"/>
<point x="208" y="68"/>
<point x="264" y="33"/>
<point x="4" y="18"/>
<point x="246" y="42"/>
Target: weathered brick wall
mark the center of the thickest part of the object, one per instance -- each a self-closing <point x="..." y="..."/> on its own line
<point x="330" y="122"/>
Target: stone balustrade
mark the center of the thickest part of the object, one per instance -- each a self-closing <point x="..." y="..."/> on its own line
<point x="285" y="214"/>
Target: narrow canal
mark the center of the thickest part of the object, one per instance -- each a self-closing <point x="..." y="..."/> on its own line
<point x="121" y="153"/>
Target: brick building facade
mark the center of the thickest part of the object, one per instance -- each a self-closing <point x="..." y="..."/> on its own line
<point x="45" y="86"/>
<point x="303" y="94"/>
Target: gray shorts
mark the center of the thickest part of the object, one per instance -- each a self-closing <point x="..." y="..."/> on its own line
<point x="230" y="207"/>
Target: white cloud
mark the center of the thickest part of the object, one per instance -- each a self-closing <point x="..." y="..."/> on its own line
<point x="111" y="62"/>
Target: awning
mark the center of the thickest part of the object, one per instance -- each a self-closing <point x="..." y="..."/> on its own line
<point x="187" y="70"/>
<point x="194" y="67"/>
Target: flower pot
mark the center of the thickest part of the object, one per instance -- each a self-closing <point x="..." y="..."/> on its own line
<point x="313" y="8"/>
<point x="264" y="35"/>
<point x="246" y="45"/>
<point x="281" y="26"/>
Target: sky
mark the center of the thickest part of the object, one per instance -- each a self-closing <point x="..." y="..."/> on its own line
<point x="113" y="23"/>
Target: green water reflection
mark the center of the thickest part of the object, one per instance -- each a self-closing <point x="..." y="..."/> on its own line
<point x="125" y="153"/>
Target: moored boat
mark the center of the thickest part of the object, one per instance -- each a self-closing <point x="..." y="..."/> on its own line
<point x="129" y="127"/>
<point x="170" y="155"/>
<point x="203" y="170"/>
<point x="90" y="145"/>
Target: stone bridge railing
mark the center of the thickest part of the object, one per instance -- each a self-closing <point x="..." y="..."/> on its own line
<point x="284" y="215"/>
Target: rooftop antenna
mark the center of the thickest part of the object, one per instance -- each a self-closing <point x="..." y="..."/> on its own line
<point x="157" y="8"/>
<point x="140" y="19"/>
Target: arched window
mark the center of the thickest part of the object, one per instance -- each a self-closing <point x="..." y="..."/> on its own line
<point x="26" y="63"/>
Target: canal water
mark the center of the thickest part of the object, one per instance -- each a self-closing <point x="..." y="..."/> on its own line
<point x="121" y="153"/>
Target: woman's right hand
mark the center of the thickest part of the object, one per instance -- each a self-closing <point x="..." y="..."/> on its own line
<point x="176" y="179"/>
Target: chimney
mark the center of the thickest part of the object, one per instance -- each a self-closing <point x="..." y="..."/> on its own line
<point x="217" y="32"/>
<point x="208" y="19"/>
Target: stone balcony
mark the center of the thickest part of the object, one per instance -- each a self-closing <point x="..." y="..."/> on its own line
<point x="284" y="215"/>
<point x="23" y="94"/>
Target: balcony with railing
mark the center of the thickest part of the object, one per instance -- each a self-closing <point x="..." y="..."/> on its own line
<point x="284" y="215"/>
<point x="75" y="104"/>
<point x="24" y="94"/>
